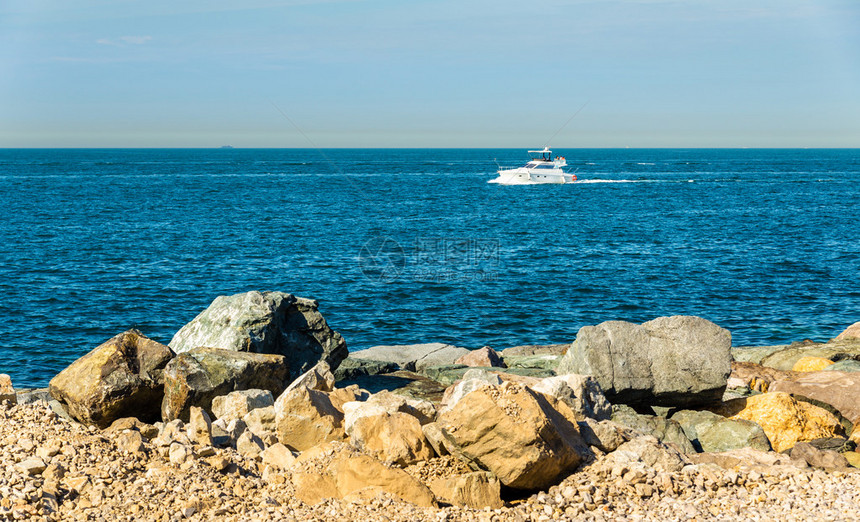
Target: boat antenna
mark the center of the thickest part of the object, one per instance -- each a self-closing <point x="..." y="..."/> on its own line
<point x="565" y="123"/>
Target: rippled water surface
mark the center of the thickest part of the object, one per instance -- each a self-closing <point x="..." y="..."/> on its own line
<point x="405" y="246"/>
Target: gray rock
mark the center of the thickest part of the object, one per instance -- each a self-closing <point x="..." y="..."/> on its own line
<point x="665" y="430"/>
<point x="196" y="377"/>
<point x="450" y="374"/>
<point x="267" y="323"/>
<point x="649" y="451"/>
<point x="413" y="357"/>
<point x="541" y="362"/>
<point x="714" y="433"/>
<point x="581" y="392"/>
<point x="29" y="396"/>
<point x="847" y="365"/>
<point x="670" y="361"/>
<point x="350" y="368"/>
<point x="605" y="435"/>
<point x="122" y="377"/>
<point x="535" y="349"/>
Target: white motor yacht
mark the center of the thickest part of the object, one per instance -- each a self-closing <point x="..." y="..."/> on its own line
<point x="541" y="168"/>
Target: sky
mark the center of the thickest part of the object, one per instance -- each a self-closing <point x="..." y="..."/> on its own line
<point x="443" y="73"/>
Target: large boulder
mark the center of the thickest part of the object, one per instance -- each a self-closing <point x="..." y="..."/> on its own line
<point x="335" y="470"/>
<point x="670" y="361"/>
<point x="124" y="377"/>
<point x="413" y="357"/>
<point x="714" y="433"/>
<point x="310" y="411"/>
<point x="516" y="433"/>
<point x="268" y="323"/>
<point x="784" y="420"/>
<point x="845" y="365"/>
<point x="394" y="438"/>
<point x="841" y="390"/>
<point x="197" y="377"/>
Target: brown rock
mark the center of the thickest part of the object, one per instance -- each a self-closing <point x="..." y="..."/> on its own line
<point x="483" y="358"/>
<point x="811" y="364"/>
<point x="335" y="470"/>
<point x="852" y="332"/>
<point x="278" y="456"/>
<point x="838" y="389"/>
<point x="827" y="459"/>
<point x="758" y="377"/>
<point x="516" y="433"/>
<point x="476" y="490"/>
<point x="200" y="427"/>
<point x="130" y="441"/>
<point x="784" y="420"/>
<point x="196" y="377"/>
<point x="394" y="438"/>
<point x="121" y="378"/>
<point x="132" y="423"/>
<point x="306" y="417"/>
<point x="7" y="392"/>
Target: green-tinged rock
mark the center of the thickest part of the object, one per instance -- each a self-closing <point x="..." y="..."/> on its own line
<point x="407" y="384"/>
<point x="121" y="378"/>
<point x="755" y="354"/>
<point x="833" y="350"/>
<point x="714" y="433"/>
<point x="196" y="377"/>
<point x="542" y="362"/>
<point x="665" y="430"/>
<point x="266" y="323"/>
<point x="352" y="368"/>
<point x="853" y="458"/>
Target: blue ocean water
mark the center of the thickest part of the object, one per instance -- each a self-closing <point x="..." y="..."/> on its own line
<point x="406" y="246"/>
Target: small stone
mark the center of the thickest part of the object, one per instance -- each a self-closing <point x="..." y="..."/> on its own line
<point x="249" y="445"/>
<point x="31" y="466"/>
<point x="178" y="453"/>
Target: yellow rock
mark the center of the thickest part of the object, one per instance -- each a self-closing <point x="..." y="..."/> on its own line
<point x="811" y="364"/>
<point x="335" y="470"/>
<point x="853" y="458"/>
<point x="784" y="420"/>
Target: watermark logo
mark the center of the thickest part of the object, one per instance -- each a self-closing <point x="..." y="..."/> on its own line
<point x="431" y="259"/>
<point x="382" y="259"/>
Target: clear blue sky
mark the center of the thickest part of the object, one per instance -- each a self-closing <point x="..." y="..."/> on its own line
<point x="413" y="73"/>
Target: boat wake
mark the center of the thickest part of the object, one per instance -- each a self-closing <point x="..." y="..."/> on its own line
<point x="500" y="181"/>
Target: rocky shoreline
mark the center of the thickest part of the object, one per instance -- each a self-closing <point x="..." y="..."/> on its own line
<point x="256" y="411"/>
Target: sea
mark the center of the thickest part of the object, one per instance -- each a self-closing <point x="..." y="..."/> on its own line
<point x="404" y="246"/>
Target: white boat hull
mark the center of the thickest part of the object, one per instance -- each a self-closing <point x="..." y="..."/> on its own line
<point x="526" y="176"/>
